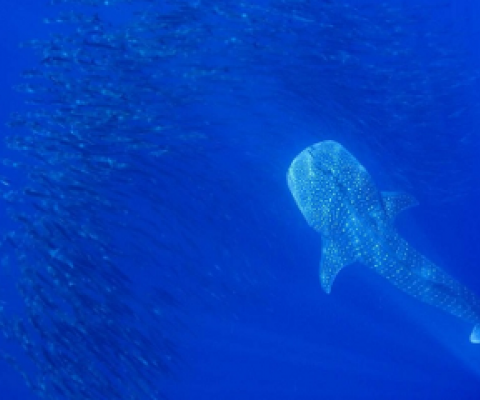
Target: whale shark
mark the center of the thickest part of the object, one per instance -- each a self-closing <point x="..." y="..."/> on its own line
<point x="356" y="222"/>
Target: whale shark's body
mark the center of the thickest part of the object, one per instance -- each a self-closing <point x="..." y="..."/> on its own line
<point x="338" y="198"/>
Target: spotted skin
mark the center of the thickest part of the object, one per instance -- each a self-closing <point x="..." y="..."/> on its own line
<point x="338" y="198"/>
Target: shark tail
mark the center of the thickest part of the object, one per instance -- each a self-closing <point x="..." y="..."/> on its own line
<point x="475" y="335"/>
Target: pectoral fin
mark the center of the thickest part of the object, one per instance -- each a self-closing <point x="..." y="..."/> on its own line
<point x="395" y="202"/>
<point x="475" y="335"/>
<point x="333" y="259"/>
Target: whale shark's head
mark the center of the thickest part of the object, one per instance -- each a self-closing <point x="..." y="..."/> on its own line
<point x="312" y="178"/>
<point x="327" y="182"/>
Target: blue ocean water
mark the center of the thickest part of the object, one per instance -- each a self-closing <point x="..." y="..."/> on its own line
<point x="151" y="246"/>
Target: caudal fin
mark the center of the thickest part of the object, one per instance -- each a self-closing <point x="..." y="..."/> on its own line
<point x="475" y="335"/>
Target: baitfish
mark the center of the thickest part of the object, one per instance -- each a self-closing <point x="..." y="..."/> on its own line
<point x="339" y="199"/>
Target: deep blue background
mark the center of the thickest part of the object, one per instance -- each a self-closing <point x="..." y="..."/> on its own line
<point x="276" y="334"/>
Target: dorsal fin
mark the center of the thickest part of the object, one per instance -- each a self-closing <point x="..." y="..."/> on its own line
<point x="334" y="258"/>
<point x="397" y="201"/>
